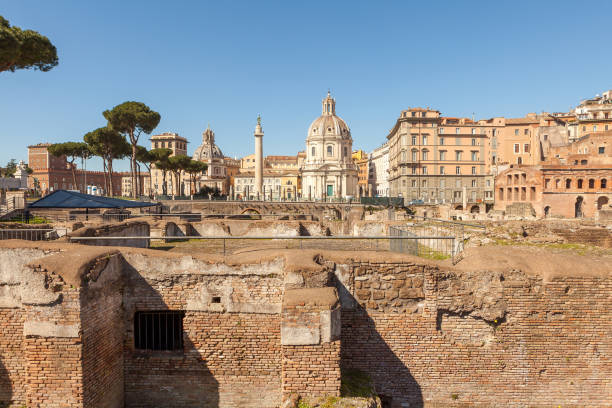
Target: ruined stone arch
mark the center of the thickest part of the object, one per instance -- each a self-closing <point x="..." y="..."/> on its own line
<point x="602" y="201"/>
<point x="248" y="211"/>
<point x="475" y="209"/>
<point x="459" y="207"/>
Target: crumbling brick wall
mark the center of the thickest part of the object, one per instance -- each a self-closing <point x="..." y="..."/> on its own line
<point x="310" y="337"/>
<point x="481" y="339"/>
<point x="12" y="364"/>
<point x="231" y="354"/>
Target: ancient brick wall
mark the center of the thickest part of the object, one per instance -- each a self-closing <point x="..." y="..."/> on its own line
<point x="102" y="334"/>
<point x="310" y="337"/>
<point x="53" y="352"/>
<point x="12" y="364"/>
<point x="485" y="339"/>
<point x="231" y="355"/>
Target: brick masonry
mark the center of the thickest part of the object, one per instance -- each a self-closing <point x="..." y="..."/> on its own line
<point x="426" y="334"/>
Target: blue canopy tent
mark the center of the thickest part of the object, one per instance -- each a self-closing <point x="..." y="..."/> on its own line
<point x="72" y="199"/>
<point x="64" y="199"/>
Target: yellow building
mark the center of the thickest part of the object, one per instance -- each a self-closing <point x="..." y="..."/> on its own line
<point x="362" y="161"/>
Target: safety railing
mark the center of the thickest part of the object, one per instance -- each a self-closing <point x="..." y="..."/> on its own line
<point x="396" y="243"/>
<point x="29" y="234"/>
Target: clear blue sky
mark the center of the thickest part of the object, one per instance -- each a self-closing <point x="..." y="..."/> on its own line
<point x="224" y="62"/>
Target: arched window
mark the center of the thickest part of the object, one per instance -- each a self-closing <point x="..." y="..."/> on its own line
<point x="520" y="160"/>
<point x="330" y="151"/>
<point x="579" y="183"/>
<point x="591" y="183"/>
<point x="557" y="182"/>
<point x="604" y="183"/>
<point x="568" y="183"/>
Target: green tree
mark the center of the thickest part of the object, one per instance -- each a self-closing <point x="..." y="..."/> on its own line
<point x="24" y="49"/>
<point x="145" y="157"/>
<point x="132" y="119"/>
<point x="194" y="168"/>
<point x="177" y="165"/>
<point x="72" y="151"/>
<point x="108" y="144"/>
<point x="160" y="161"/>
<point x="11" y="168"/>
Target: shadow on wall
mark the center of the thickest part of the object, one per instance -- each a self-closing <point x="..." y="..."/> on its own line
<point x="363" y="348"/>
<point x="6" y="388"/>
<point x="176" y="378"/>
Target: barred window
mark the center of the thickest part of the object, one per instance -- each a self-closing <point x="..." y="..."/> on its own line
<point x="159" y="330"/>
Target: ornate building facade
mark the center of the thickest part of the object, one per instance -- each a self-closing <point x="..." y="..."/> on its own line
<point x="329" y="170"/>
<point x="209" y="153"/>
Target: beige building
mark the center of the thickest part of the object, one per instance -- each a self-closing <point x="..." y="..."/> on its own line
<point x="439" y="159"/>
<point x="277" y="185"/>
<point x="209" y="153"/>
<point x="178" y="145"/>
<point x="329" y="170"/>
<point x="592" y="115"/>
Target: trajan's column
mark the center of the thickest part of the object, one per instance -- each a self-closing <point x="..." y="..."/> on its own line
<point x="258" y="160"/>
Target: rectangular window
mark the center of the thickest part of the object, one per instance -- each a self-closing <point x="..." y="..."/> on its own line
<point x="526" y="148"/>
<point x="159" y="331"/>
<point x="442" y="154"/>
<point x="473" y="183"/>
<point x="474" y="156"/>
<point x="413" y="183"/>
<point x="457" y="130"/>
<point x="414" y="155"/>
<point x="516" y="131"/>
<point x="424" y="169"/>
<point x="517" y="148"/>
<point x="442" y="183"/>
<point x="601" y="149"/>
<point x="442" y="141"/>
<point x="441" y="130"/>
<point x="594" y="128"/>
<point x="424" y="139"/>
<point x="473" y="131"/>
<point x="473" y="142"/>
<point x="414" y="140"/>
<point x="425" y="154"/>
<point x="458" y="155"/>
<point x="414" y="170"/>
<point x="457" y="170"/>
<point x="473" y="169"/>
<point x="526" y="131"/>
<point x="458" y="141"/>
<point x="441" y="169"/>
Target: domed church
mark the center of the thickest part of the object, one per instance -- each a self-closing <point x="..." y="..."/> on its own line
<point x="209" y="153"/>
<point x="329" y="170"/>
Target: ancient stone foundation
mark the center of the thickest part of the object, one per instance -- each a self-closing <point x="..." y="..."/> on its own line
<point x="265" y="327"/>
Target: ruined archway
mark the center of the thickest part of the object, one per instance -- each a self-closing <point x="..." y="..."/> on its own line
<point x="547" y="211"/>
<point x="459" y="207"/>
<point x="578" y="207"/>
<point x="250" y="211"/>
<point x="475" y="209"/>
<point x="601" y="202"/>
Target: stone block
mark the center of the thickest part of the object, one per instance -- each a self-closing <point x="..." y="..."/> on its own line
<point x="411" y="293"/>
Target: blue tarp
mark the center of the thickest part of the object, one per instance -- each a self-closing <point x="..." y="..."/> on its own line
<point x="72" y="199"/>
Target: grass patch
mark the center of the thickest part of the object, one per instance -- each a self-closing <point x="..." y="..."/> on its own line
<point x="356" y="383"/>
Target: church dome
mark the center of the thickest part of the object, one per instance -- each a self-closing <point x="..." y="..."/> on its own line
<point x="208" y="149"/>
<point x="328" y="124"/>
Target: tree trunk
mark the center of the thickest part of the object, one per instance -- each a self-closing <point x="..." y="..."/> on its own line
<point x="104" y="170"/>
<point x="110" y="176"/>
<point x="134" y="142"/>
<point x="73" y="168"/>
<point x="164" y="186"/>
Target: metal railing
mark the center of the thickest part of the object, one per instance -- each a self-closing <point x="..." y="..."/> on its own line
<point x="28" y="234"/>
<point x="119" y="217"/>
<point x="378" y="243"/>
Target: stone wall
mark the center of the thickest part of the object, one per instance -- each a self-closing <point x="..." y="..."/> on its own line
<point x="231" y="353"/>
<point x="122" y="229"/>
<point x="522" y="329"/>
<point x="477" y="339"/>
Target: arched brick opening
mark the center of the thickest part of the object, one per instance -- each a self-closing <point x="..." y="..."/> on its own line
<point x="601" y="202"/>
<point x="475" y="209"/>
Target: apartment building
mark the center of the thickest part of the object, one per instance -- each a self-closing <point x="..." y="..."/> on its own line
<point x="378" y="171"/>
<point x="591" y="116"/>
<point x="439" y="159"/>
